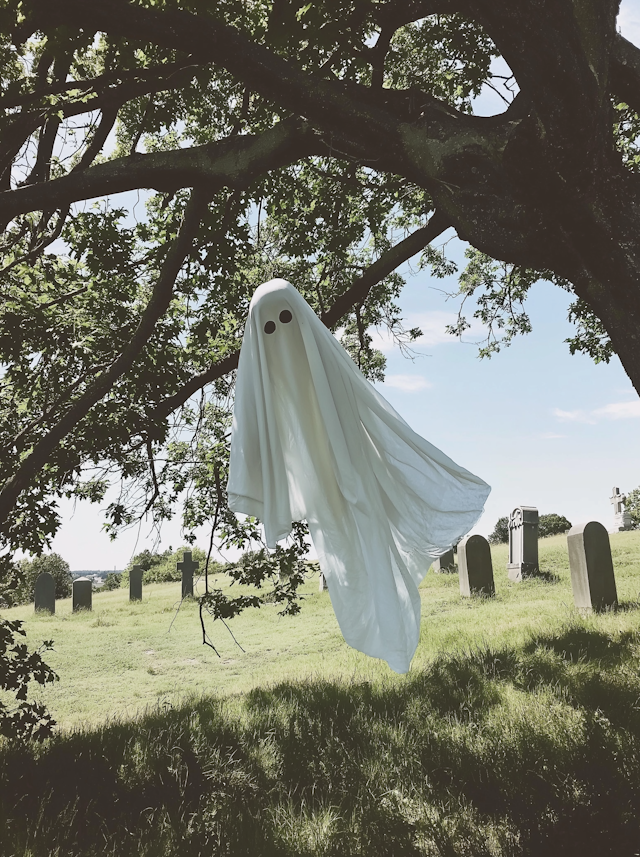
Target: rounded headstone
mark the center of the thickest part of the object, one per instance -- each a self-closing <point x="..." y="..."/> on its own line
<point x="592" y="577"/>
<point x="82" y="593"/>
<point x="44" y="595"/>
<point x="475" y="567"/>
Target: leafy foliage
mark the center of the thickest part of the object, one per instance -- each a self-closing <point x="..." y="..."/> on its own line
<point x="500" y="534"/>
<point x="18" y="587"/>
<point x="632" y="506"/>
<point x="552" y="525"/>
<point x="112" y="581"/>
<point x="18" y="668"/>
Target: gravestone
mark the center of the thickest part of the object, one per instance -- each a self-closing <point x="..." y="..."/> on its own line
<point x="135" y="583"/>
<point x="82" y="593"/>
<point x="444" y="563"/>
<point x="44" y="596"/>
<point x="475" y="568"/>
<point x="592" y="578"/>
<point x="322" y="585"/>
<point x="523" y="543"/>
<point x="187" y="567"/>
<point x="621" y="518"/>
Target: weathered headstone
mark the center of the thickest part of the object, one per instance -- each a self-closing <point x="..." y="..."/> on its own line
<point x="444" y="563"/>
<point x="523" y="543"/>
<point x="322" y="585"/>
<point x="44" y="596"/>
<point x="135" y="583"/>
<point x="187" y="567"/>
<point x="475" y="568"/>
<point x="82" y="593"/>
<point x="592" y="578"/>
<point x="621" y="518"/>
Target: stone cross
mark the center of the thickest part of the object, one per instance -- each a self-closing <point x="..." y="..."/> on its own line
<point x="44" y="595"/>
<point x="187" y="567"/>
<point x="621" y="518"/>
<point x="444" y="563"/>
<point x="82" y="593"/>
<point x="523" y="543"/>
<point x="135" y="583"/>
<point x="592" y="578"/>
<point x="475" y="568"/>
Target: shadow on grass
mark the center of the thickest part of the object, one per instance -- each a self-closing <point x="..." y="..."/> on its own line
<point x="520" y="751"/>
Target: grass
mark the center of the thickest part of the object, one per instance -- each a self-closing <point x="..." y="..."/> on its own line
<point x="517" y="731"/>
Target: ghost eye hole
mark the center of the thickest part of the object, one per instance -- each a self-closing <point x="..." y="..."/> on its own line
<point x="285" y="316"/>
<point x="269" y="327"/>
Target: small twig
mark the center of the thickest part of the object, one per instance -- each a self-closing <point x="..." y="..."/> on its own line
<point x="205" y="640"/>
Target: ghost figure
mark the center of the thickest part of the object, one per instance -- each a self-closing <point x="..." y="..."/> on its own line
<point x="313" y="440"/>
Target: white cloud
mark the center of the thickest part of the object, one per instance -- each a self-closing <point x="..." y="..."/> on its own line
<point x="550" y="435"/>
<point x="407" y="383"/>
<point x="619" y="411"/>
<point x="613" y="411"/>
<point x="573" y="416"/>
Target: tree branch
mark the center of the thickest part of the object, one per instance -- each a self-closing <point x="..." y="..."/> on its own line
<point x="233" y="162"/>
<point x="155" y="74"/>
<point x="157" y="306"/>
<point x="356" y="295"/>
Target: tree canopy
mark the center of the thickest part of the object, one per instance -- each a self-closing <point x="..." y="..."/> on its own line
<point x="323" y="142"/>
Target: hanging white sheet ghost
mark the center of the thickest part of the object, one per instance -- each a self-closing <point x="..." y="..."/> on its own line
<point x="313" y="440"/>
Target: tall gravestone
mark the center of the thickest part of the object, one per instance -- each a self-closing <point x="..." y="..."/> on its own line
<point x="187" y="567"/>
<point x="592" y="578"/>
<point x="44" y="596"/>
<point x="322" y="583"/>
<point x="523" y="543"/>
<point x="135" y="583"/>
<point x="444" y="563"/>
<point x="82" y="593"/>
<point x="475" y="568"/>
<point x="621" y="518"/>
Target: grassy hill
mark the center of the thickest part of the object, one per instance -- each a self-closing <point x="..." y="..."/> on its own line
<point x="517" y="730"/>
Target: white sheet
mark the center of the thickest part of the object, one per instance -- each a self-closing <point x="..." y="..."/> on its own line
<point x="313" y="440"/>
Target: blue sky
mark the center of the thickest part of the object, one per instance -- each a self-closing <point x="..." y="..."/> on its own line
<point x="542" y="427"/>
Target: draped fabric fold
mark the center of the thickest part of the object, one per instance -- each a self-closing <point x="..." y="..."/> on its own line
<point x="313" y="440"/>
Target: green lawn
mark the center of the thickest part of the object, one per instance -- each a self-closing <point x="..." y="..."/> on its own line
<point x="122" y="659"/>
<point x="516" y="732"/>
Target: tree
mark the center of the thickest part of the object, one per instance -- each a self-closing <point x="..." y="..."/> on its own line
<point x="632" y="506"/>
<point x="18" y="587"/>
<point x="552" y="525"/>
<point x="500" y="534"/>
<point x="326" y="142"/>
<point x="163" y="567"/>
<point x="112" y="581"/>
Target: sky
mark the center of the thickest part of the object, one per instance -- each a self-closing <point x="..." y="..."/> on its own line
<point x="543" y="427"/>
